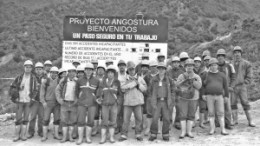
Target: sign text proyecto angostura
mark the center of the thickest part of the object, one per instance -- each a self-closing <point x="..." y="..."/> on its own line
<point x="115" y="29"/>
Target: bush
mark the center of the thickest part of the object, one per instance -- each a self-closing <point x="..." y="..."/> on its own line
<point x="29" y="55"/>
<point x="2" y="53"/>
<point x="17" y="57"/>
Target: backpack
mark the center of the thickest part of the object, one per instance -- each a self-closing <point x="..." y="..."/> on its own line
<point x="186" y="89"/>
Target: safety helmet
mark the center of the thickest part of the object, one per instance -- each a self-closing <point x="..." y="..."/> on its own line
<point x="145" y="63"/>
<point x="237" y="48"/>
<point x="38" y="65"/>
<point x="89" y="66"/>
<point x="101" y="66"/>
<point x="161" y="64"/>
<point x="111" y="68"/>
<point x="189" y="62"/>
<point x="197" y="59"/>
<point x="161" y="55"/>
<point x="80" y="68"/>
<point x="61" y="70"/>
<point x="54" y="69"/>
<point x="205" y="53"/>
<point x="175" y="59"/>
<point x="47" y="62"/>
<point x="28" y="62"/>
<point x="184" y="55"/>
<point x="121" y="62"/>
<point x="221" y="52"/>
<point x="213" y="61"/>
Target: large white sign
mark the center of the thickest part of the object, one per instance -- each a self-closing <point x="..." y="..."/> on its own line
<point x="102" y="43"/>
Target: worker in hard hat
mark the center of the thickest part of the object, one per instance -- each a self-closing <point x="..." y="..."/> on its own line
<point x="87" y="91"/>
<point x="148" y="107"/>
<point x="162" y="100"/>
<point x="183" y="57"/>
<point x="200" y="70"/>
<point x="174" y="72"/>
<point x="243" y="77"/>
<point x="50" y="104"/>
<point x="229" y="71"/>
<point x="122" y="76"/>
<point x="66" y="96"/>
<point x="36" y="106"/>
<point x="214" y="92"/>
<point x="133" y="101"/>
<point x="111" y="92"/>
<point x="188" y="99"/>
<point x="23" y="90"/>
<point x="47" y="67"/>
<point x="100" y="75"/>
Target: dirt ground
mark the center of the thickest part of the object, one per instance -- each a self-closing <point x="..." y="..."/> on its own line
<point x="240" y="135"/>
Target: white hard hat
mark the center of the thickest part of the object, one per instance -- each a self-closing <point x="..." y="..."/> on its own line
<point x="175" y="58"/>
<point x="80" y="68"/>
<point x="54" y="69"/>
<point x="184" y="55"/>
<point x="47" y="62"/>
<point x="101" y="66"/>
<point x="238" y="48"/>
<point x="75" y="61"/>
<point x="38" y="65"/>
<point x="61" y="70"/>
<point x="153" y="63"/>
<point x="71" y="67"/>
<point x="109" y="61"/>
<point x="145" y="63"/>
<point x="160" y="55"/>
<point x="111" y="67"/>
<point x="89" y="65"/>
<point x="197" y="59"/>
<point x="28" y="62"/>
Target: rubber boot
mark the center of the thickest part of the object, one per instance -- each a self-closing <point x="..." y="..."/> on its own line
<point x="17" y="133"/>
<point x="148" y="126"/>
<point x="56" y="132"/>
<point x="88" y="134"/>
<point x="45" y="133"/>
<point x="64" y="134"/>
<point x="112" y="135"/>
<point x="234" y="117"/>
<point x="212" y="125"/>
<point x="189" y="128"/>
<point x="202" y="120"/>
<point x="249" y="118"/>
<point x="103" y="136"/>
<point x="222" y="125"/>
<point x="95" y="128"/>
<point x="183" y="128"/>
<point x="23" y="133"/>
<point x="80" y="135"/>
<point x="71" y="129"/>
